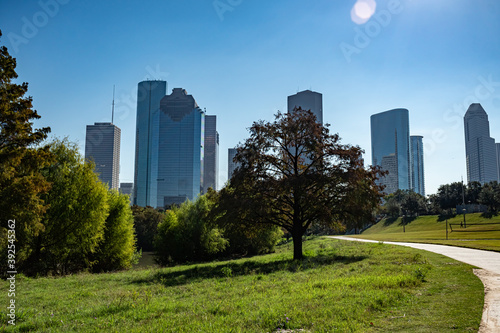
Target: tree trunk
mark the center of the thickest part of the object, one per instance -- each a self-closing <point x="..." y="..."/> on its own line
<point x="297" y="246"/>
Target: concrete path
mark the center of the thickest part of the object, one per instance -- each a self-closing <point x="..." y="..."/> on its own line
<point x="489" y="275"/>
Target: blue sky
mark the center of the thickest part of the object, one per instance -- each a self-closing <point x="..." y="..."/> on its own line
<point x="240" y="59"/>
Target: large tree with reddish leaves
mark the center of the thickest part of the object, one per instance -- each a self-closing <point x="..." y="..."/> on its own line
<point x="292" y="172"/>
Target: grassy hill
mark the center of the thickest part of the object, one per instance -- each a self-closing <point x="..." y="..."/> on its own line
<point x="340" y="286"/>
<point x="480" y="233"/>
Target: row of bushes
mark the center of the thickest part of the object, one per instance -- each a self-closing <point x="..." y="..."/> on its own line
<point x="191" y="233"/>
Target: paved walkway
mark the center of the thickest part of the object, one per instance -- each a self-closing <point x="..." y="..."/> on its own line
<point x="489" y="275"/>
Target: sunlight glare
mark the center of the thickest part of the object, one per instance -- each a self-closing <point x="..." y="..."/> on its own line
<point x="363" y="11"/>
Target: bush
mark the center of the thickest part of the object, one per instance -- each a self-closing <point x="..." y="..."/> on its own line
<point x="187" y="234"/>
<point x="146" y="221"/>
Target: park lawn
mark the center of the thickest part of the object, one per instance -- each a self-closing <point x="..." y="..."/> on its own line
<point x="480" y="233"/>
<point x="340" y="286"/>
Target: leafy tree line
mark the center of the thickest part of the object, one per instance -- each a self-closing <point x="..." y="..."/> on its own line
<point x="66" y="220"/>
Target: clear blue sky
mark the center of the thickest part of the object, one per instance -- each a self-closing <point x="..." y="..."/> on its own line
<point x="242" y="59"/>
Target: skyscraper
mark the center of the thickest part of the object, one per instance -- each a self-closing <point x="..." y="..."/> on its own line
<point x="180" y="153"/>
<point x="211" y="163"/>
<point x="417" y="164"/>
<point x="498" y="160"/>
<point x="149" y="95"/>
<point x="102" y="145"/>
<point x="307" y="100"/>
<point x="390" y="136"/>
<point x="231" y="165"/>
<point x="480" y="148"/>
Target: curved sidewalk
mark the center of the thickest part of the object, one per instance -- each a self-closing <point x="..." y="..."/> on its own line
<point x="489" y="274"/>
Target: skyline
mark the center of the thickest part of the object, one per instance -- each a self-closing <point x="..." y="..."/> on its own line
<point x="434" y="59"/>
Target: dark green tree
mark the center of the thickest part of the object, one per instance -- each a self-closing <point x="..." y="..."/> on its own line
<point x="450" y="195"/>
<point x="292" y="173"/>
<point x="20" y="160"/>
<point x="146" y="221"/>
<point x="490" y="197"/>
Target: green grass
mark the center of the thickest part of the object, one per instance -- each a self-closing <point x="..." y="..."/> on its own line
<point x="339" y="287"/>
<point x="479" y="234"/>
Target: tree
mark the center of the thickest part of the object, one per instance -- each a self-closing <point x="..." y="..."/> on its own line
<point x="146" y="221"/>
<point x="293" y="173"/>
<point x="117" y="247"/>
<point x="490" y="197"/>
<point x="450" y="196"/>
<point x="73" y="225"/>
<point x="21" y="183"/>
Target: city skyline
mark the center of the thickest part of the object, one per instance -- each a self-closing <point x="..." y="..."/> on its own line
<point x="433" y="58"/>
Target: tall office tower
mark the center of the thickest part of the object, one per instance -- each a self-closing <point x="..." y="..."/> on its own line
<point x="231" y="165"/>
<point x="211" y="163"/>
<point x="417" y="164"/>
<point x="102" y="145"/>
<point x="480" y="148"/>
<point x="149" y="95"/>
<point x="498" y="160"/>
<point x="390" y="135"/>
<point x="307" y="100"/>
<point x="180" y="154"/>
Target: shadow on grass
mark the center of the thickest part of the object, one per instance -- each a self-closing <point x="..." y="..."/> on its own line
<point x="227" y="270"/>
<point x="390" y="220"/>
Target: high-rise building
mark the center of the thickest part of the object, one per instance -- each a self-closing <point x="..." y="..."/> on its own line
<point x="149" y="95"/>
<point x="211" y="163"/>
<point x="180" y="153"/>
<point x="128" y="189"/>
<point x="307" y="100"/>
<point x="498" y="160"/>
<point x="480" y="148"/>
<point x="231" y="165"/>
<point x="417" y="164"/>
<point x="390" y="136"/>
<point x="102" y="146"/>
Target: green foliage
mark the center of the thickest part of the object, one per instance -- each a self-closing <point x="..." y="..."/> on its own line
<point x="490" y="197"/>
<point x="20" y="161"/>
<point x="187" y="234"/>
<point x="116" y="250"/>
<point x="74" y="222"/>
<point x="404" y="202"/>
<point x="146" y="221"/>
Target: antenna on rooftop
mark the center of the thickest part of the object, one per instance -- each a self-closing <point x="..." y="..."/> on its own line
<point x="113" y="106"/>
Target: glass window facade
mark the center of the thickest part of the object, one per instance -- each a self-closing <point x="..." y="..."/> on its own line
<point x="211" y="154"/>
<point x="417" y="164"/>
<point x="149" y="95"/>
<point x="390" y="138"/>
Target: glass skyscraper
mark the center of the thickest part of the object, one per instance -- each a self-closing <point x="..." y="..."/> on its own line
<point x="307" y="100"/>
<point x="417" y="164"/>
<point x="149" y="95"/>
<point x="390" y="136"/>
<point x="102" y="146"/>
<point x="178" y="159"/>
<point x="211" y="163"/>
<point x="480" y="148"/>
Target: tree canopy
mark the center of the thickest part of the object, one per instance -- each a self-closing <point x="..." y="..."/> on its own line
<point x="292" y="172"/>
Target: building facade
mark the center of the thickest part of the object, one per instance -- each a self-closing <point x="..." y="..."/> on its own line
<point x="128" y="189"/>
<point x="149" y="95"/>
<point x="231" y="164"/>
<point x="180" y="153"/>
<point x="307" y="100"/>
<point x="390" y="140"/>
<point x="102" y="146"/>
<point x="480" y="148"/>
<point x="211" y="162"/>
<point x="498" y="160"/>
<point x="417" y="164"/>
